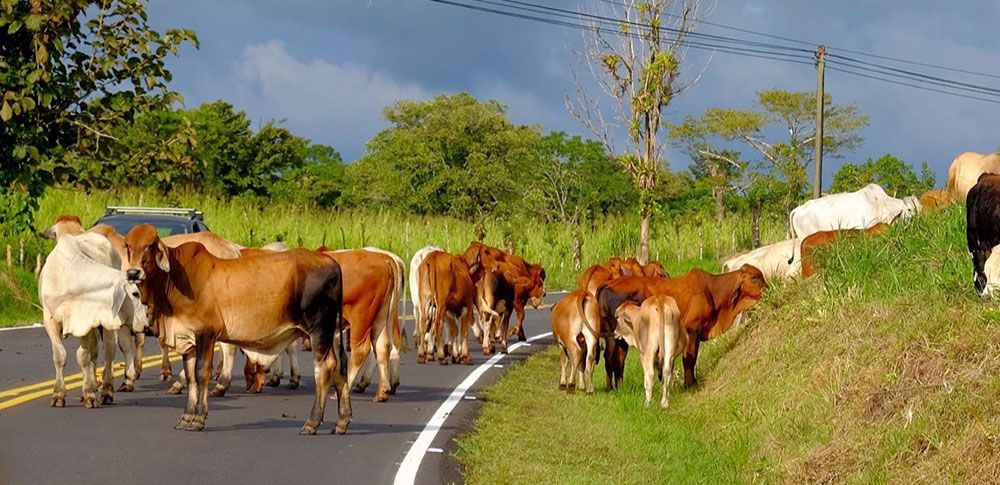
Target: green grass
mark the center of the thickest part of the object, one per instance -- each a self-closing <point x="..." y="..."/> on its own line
<point x="18" y="298"/>
<point x="679" y="244"/>
<point x="884" y="368"/>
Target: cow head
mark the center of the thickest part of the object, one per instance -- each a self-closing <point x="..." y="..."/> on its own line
<point x="749" y="289"/>
<point x="64" y="225"/>
<point x="911" y="206"/>
<point x="654" y="269"/>
<point x="628" y="316"/>
<point x="986" y="272"/>
<point x="146" y="253"/>
<point x="537" y="292"/>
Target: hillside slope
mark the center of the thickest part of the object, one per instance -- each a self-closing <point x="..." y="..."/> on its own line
<point x="884" y="368"/>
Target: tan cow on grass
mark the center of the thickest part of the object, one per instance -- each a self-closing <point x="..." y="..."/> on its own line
<point x="655" y="330"/>
<point x="576" y="326"/>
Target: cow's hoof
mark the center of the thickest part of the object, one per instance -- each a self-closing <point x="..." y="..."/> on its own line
<point x="341" y="426"/>
<point x="571" y="388"/>
<point x="359" y="388"/>
<point x="503" y="351"/>
<point x="381" y="396"/>
<point x="308" y="428"/>
<point x="273" y="382"/>
<point x="293" y="383"/>
<point x="197" y="424"/>
<point x="175" y="388"/>
<point x="562" y="387"/>
<point x="393" y="387"/>
<point x="467" y="360"/>
<point x="421" y="359"/>
<point x="255" y="389"/>
<point x="126" y="387"/>
<point x="307" y="346"/>
<point x="218" y="391"/>
<point x="443" y="361"/>
<point x="90" y="401"/>
<point x="59" y="400"/>
<point x="166" y="375"/>
<point x="184" y="422"/>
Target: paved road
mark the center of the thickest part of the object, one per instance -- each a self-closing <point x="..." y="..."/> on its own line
<point x="249" y="438"/>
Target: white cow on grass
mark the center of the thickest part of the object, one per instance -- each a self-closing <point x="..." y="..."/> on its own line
<point x="778" y="260"/>
<point x="84" y="293"/>
<point x="850" y="210"/>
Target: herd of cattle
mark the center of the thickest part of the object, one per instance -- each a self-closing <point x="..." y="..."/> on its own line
<point x="192" y="291"/>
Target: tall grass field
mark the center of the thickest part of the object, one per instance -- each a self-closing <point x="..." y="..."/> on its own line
<point x="884" y="368"/>
<point x="680" y="244"/>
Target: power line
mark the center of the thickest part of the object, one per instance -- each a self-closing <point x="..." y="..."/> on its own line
<point x="842" y="49"/>
<point x="901" y="83"/>
<point x="743" y="48"/>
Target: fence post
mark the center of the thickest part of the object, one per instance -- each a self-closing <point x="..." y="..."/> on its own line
<point x="10" y="257"/>
<point x="20" y="253"/>
<point x="38" y="265"/>
<point x="577" y="250"/>
<point x="701" y="244"/>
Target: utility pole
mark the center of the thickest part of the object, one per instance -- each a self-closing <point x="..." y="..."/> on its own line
<point x="820" y="64"/>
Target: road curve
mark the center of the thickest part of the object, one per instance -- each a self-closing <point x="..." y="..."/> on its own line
<point x="249" y="438"/>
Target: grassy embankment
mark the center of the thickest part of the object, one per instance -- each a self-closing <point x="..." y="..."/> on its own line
<point x="885" y="368"/>
<point x="249" y="222"/>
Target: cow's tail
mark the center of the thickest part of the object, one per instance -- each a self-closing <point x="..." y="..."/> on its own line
<point x="429" y="302"/>
<point x="791" y="227"/>
<point x="339" y="317"/>
<point x="390" y="304"/>
<point x="583" y="312"/>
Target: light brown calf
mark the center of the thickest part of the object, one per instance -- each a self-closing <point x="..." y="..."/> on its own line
<point x="447" y="281"/>
<point x="655" y="330"/>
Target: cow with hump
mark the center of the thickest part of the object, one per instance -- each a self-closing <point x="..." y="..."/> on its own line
<point x="850" y="210"/>
<point x="654" y="328"/>
<point x="448" y="295"/>
<point x="261" y="304"/>
<point x="982" y="232"/>
<point x="576" y="326"/>
<point x="708" y="303"/>
<point x="526" y="292"/>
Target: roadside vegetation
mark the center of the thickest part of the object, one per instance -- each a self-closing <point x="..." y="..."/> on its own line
<point x="886" y="367"/>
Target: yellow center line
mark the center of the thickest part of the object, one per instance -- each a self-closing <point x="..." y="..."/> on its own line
<point x="79" y="383"/>
<point x="73" y="377"/>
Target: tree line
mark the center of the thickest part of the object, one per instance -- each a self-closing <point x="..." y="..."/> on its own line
<point x="86" y="102"/>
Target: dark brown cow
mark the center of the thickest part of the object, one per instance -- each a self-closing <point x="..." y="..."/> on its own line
<point x="497" y="294"/>
<point x="982" y="228"/>
<point x="825" y="238"/>
<point x="708" y="303"/>
<point x="447" y="281"/>
<point x="261" y="303"/>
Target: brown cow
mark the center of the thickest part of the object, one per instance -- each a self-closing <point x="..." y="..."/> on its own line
<point x="446" y="279"/>
<point x="826" y="238"/>
<point x="576" y="326"/>
<point x="934" y="199"/>
<point x="598" y="274"/>
<point x="496" y="297"/>
<point x="371" y="283"/>
<point x="524" y="294"/>
<point x="709" y="304"/>
<point x="261" y="304"/>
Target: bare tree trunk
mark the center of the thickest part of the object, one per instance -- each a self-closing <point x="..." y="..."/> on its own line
<point x="755" y="225"/>
<point x="642" y="254"/>
<point x="577" y="250"/>
<point x="720" y="207"/>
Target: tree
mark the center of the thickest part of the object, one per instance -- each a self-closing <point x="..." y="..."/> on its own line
<point x="450" y="154"/>
<point x="894" y="175"/>
<point x="639" y="67"/>
<point x="320" y="181"/>
<point x="791" y="111"/>
<point x="580" y="180"/>
<point x="71" y="70"/>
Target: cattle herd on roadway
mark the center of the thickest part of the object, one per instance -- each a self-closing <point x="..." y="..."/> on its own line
<point x="193" y="291"/>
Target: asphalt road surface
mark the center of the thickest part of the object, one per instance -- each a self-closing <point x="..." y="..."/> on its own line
<point x="248" y="438"/>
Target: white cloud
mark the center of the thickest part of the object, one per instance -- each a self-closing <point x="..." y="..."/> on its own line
<point x="334" y="103"/>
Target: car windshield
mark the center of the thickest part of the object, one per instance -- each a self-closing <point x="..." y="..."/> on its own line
<point x="163" y="228"/>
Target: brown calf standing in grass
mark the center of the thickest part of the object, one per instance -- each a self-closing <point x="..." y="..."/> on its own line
<point x="655" y="330"/>
<point x="825" y="238"/>
<point x="576" y="325"/>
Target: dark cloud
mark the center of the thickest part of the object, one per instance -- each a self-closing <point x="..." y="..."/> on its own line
<point x="327" y="68"/>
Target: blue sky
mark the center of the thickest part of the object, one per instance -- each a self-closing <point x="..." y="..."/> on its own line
<point x="325" y="69"/>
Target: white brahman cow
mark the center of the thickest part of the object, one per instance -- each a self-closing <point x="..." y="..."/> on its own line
<point x="778" y="260"/>
<point x="83" y="292"/>
<point x="850" y="210"/>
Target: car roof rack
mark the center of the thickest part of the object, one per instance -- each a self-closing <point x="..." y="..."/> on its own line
<point x="163" y="211"/>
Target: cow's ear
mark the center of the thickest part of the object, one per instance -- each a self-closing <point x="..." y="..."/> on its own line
<point x="162" y="260"/>
<point x="737" y="293"/>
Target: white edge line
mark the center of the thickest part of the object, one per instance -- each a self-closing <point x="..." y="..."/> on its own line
<point x="407" y="473"/>
<point x="22" y="327"/>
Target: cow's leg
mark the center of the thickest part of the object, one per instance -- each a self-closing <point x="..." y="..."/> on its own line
<point x="621" y="351"/>
<point x="138" y="342"/>
<point x="519" y="308"/>
<point x="190" y="407"/>
<point x="326" y="372"/>
<point x="365" y="376"/>
<point x="359" y="353"/>
<point x="276" y="371"/>
<point x="454" y="328"/>
<point x="609" y="349"/>
<point x="468" y="321"/>
<point x="588" y="371"/>
<point x="438" y="326"/>
<point x="306" y="343"/>
<point x="126" y="341"/>
<point x="394" y="361"/>
<point x="58" y="359"/>
<point x="572" y="364"/>
<point x="294" y="375"/>
<point x="226" y="375"/>
<point x="671" y="341"/>
<point x="382" y="346"/>
<point x="166" y="373"/>
<point x="205" y="351"/>
<point x="504" y="332"/>
<point x="342" y="386"/>
<point x="563" y="365"/>
<point x="86" y="356"/>
<point x="690" y="359"/>
<point x="110" y="340"/>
